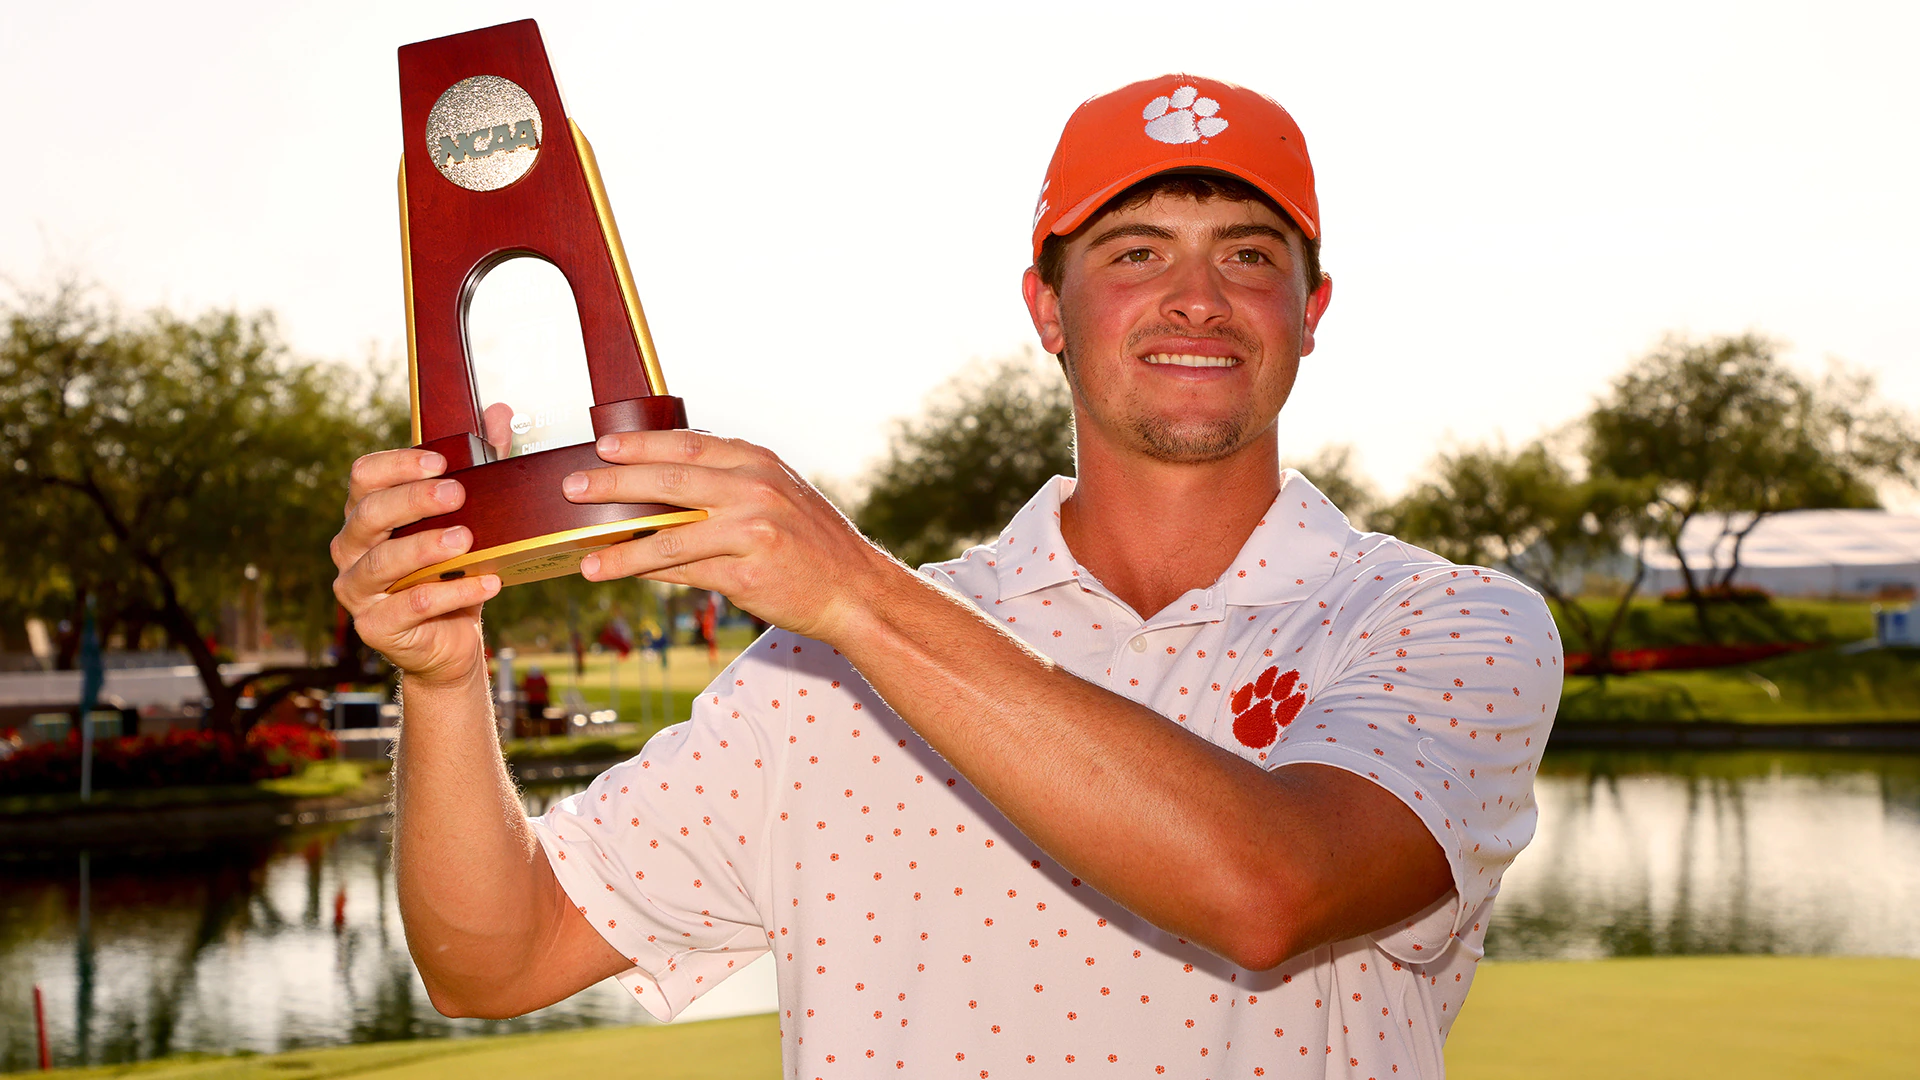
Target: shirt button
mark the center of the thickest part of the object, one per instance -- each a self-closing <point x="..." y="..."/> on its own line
<point x="1139" y="644"/>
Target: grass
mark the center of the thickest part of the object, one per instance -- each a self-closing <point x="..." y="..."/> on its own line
<point x="1819" y="686"/>
<point x="688" y="671"/>
<point x="578" y="747"/>
<point x="1652" y="622"/>
<point x="1752" y="1017"/>
<point x="322" y="779"/>
<point x="318" y="779"/>
<point x="1755" y="1017"/>
<point x="743" y="1048"/>
<point x="1822" y="685"/>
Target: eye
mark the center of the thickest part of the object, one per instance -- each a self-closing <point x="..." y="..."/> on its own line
<point x="1136" y="255"/>
<point x="1249" y="257"/>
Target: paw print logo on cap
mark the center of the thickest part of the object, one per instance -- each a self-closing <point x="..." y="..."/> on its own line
<point x="1182" y="117"/>
<point x="1264" y="706"/>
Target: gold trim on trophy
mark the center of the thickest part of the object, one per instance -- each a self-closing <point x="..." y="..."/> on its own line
<point x="547" y="556"/>
<point x="413" y="348"/>
<point x="603" y="210"/>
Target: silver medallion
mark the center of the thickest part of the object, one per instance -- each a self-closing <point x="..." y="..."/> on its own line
<point x="484" y="133"/>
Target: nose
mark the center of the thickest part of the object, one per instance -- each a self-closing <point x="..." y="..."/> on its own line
<point x="1194" y="295"/>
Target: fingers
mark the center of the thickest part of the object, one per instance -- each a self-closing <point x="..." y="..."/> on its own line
<point x="389" y="468"/>
<point x="377" y="515"/>
<point x="391" y="615"/>
<point x="411" y="627"/>
<point x="681" y="485"/>
<point x="681" y="446"/>
<point x="497" y="422"/>
<point x="361" y="584"/>
<point x="685" y="468"/>
<point x="678" y="546"/>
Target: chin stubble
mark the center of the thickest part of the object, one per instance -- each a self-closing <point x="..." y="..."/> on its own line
<point x="1194" y="442"/>
<point x="1189" y="444"/>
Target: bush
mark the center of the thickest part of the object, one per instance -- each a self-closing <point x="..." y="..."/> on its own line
<point x="1722" y="594"/>
<point x="1684" y="657"/>
<point x="177" y="758"/>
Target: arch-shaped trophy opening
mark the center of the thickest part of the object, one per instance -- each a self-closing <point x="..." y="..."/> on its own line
<point x="524" y="342"/>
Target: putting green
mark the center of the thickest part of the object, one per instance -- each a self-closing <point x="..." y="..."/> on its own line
<point x="1753" y="1017"/>
<point x="744" y="1048"/>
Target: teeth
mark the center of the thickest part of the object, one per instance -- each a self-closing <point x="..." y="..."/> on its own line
<point x="1187" y="360"/>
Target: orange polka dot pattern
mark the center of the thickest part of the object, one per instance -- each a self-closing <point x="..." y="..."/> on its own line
<point x="915" y="932"/>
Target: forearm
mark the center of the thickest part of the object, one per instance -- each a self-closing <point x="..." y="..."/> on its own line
<point x="490" y="929"/>
<point x="1253" y="864"/>
<point x="475" y="890"/>
<point x="1180" y="831"/>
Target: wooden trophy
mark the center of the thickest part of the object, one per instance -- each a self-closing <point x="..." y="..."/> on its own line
<point x="494" y="169"/>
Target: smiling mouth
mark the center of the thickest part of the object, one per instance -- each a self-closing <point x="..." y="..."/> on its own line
<point x="1190" y="360"/>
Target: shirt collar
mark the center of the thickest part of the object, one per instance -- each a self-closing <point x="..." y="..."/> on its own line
<point x="1291" y="553"/>
<point x="1031" y="554"/>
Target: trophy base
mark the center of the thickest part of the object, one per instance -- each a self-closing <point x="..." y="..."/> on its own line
<point x="552" y="555"/>
<point x="525" y="530"/>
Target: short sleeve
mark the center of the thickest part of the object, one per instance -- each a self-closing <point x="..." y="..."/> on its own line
<point x="1444" y="697"/>
<point x="665" y="854"/>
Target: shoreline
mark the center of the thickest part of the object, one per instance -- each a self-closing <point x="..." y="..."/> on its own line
<point x="122" y="819"/>
<point x="228" y="815"/>
<point x="243" y="814"/>
<point x="1898" y="735"/>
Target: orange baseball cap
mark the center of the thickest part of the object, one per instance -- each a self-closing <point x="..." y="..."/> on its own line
<point x="1170" y="123"/>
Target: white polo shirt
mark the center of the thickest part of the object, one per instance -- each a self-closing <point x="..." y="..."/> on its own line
<point x="917" y="933"/>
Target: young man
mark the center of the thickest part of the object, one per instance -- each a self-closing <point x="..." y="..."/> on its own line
<point x="1181" y="774"/>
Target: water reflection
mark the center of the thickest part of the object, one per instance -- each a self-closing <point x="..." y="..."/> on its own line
<point x="243" y="948"/>
<point x="299" y="943"/>
<point x="1644" y="854"/>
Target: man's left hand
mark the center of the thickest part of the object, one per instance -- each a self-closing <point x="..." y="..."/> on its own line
<point x="771" y="542"/>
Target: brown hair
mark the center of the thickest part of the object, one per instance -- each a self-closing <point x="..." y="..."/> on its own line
<point x="1200" y="187"/>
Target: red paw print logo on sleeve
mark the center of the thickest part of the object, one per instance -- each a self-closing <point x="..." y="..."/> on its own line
<point x="1265" y="705"/>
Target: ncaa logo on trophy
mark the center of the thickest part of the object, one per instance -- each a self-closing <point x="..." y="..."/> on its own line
<point x="484" y="133"/>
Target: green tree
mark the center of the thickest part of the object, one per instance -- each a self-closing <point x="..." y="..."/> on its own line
<point x="153" y="459"/>
<point x="1523" y="511"/>
<point x="1334" y="471"/>
<point x="1723" y="426"/>
<point x="986" y="442"/>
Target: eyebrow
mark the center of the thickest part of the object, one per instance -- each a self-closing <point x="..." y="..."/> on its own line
<point x="1242" y="231"/>
<point x="1249" y="230"/>
<point x="1138" y="228"/>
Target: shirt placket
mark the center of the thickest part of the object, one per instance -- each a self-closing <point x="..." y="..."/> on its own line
<point x="1138" y="663"/>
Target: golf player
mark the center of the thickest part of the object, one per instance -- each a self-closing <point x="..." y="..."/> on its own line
<point x="1179" y="775"/>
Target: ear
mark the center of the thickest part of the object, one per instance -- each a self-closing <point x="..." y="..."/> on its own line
<point x="1316" y="306"/>
<point x="1043" y="305"/>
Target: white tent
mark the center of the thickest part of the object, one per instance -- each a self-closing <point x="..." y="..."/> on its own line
<point x="1800" y="553"/>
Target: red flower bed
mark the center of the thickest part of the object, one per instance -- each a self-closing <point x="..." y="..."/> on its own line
<point x="1685" y="657"/>
<point x="1721" y="594"/>
<point x="175" y="758"/>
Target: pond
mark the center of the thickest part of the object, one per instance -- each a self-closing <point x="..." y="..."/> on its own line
<point x="299" y="943"/>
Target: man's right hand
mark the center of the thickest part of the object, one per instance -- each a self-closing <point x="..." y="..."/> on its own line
<point x="431" y="632"/>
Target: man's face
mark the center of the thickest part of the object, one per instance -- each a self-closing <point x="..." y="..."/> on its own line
<point x="1182" y="324"/>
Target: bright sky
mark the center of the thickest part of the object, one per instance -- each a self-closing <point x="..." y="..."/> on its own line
<point x="827" y="205"/>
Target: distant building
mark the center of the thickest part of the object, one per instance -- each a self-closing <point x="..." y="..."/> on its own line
<point x="1814" y="553"/>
